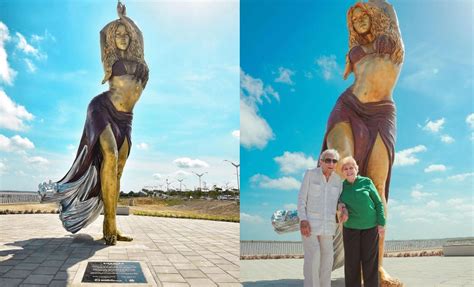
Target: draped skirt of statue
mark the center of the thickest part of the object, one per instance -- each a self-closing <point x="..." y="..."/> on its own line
<point x="79" y="191"/>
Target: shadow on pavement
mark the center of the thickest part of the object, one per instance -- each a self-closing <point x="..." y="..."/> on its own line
<point x="288" y="283"/>
<point x="49" y="261"/>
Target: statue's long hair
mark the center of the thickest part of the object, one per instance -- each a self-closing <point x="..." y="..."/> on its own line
<point x="109" y="51"/>
<point x="380" y="24"/>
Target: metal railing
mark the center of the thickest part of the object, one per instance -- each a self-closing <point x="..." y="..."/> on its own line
<point x="272" y="248"/>
<point x="19" y="197"/>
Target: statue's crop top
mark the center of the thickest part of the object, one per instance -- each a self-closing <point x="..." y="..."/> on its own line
<point x="121" y="68"/>
<point x="382" y="45"/>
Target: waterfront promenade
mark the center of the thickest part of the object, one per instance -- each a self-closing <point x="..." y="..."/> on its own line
<point x="413" y="271"/>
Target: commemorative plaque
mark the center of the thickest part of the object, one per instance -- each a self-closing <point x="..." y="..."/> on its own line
<point x="113" y="272"/>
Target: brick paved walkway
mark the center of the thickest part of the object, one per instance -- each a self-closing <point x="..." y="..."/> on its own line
<point x="36" y="250"/>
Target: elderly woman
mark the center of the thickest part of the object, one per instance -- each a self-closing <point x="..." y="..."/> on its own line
<point x="361" y="230"/>
<point x="317" y="204"/>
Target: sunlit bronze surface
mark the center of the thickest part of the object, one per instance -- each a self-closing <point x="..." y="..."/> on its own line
<point x="124" y="92"/>
<point x="93" y="182"/>
<point x="376" y="74"/>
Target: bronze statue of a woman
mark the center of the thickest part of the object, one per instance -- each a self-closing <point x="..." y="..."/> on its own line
<point x="362" y="123"/>
<point x="93" y="182"/>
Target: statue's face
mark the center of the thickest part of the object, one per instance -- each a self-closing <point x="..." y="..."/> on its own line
<point x="360" y="21"/>
<point x="122" y="38"/>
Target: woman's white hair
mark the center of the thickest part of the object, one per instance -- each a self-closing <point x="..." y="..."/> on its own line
<point x="349" y="160"/>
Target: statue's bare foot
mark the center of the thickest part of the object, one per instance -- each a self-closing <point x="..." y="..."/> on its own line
<point x="110" y="239"/>
<point x="122" y="237"/>
<point x="387" y="281"/>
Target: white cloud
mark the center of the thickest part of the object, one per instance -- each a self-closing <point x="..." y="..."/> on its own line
<point x="70" y="147"/>
<point x="462" y="205"/>
<point x="12" y="115"/>
<point x="27" y="48"/>
<point x="417" y="194"/>
<point x="407" y="156"/>
<point x="46" y="36"/>
<point x="308" y="75"/>
<point x="186" y="162"/>
<point x="15" y="143"/>
<point x="253" y="90"/>
<point x="328" y="66"/>
<point x="180" y="174"/>
<point x="256" y="132"/>
<point x="434" y="126"/>
<point x="285" y="76"/>
<point x="447" y="139"/>
<point x="236" y="134"/>
<point x="37" y="160"/>
<point x="142" y="146"/>
<point x="290" y="206"/>
<point x="282" y="183"/>
<point x="455" y="201"/>
<point x="31" y="67"/>
<point x="470" y="120"/>
<point x="157" y="176"/>
<point x="248" y="218"/>
<point x="461" y="177"/>
<point x="7" y="74"/>
<point x="294" y="162"/>
<point x="435" y="167"/>
<point x="432" y="204"/>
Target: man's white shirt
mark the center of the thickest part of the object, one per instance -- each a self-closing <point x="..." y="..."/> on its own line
<point x="317" y="201"/>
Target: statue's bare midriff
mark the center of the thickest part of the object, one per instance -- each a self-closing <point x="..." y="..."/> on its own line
<point x="375" y="78"/>
<point x="125" y="91"/>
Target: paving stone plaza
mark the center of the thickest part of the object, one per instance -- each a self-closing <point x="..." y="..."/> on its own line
<point x="35" y="250"/>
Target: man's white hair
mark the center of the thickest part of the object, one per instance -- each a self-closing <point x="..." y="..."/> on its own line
<point x="330" y="151"/>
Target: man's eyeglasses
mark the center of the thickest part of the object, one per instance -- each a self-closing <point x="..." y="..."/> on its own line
<point x="329" y="160"/>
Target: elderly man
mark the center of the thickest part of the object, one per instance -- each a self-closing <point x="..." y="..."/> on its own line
<point x="317" y="204"/>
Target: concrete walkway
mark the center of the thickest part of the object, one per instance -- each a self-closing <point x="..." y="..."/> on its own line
<point x="35" y="250"/>
<point x="414" y="271"/>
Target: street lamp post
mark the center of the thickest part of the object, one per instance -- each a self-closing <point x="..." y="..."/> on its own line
<point x="180" y="184"/>
<point x="236" y="165"/>
<point x="199" y="175"/>
<point x="168" y="184"/>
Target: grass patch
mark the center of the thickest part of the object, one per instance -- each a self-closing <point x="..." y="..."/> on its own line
<point x="137" y="201"/>
<point x="187" y="215"/>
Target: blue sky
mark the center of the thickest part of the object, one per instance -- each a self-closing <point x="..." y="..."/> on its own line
<point x="292" y="58"/>
<point x="186" y="120"/>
